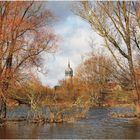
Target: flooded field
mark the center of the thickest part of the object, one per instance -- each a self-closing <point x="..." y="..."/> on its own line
<point x="97" y="125"/>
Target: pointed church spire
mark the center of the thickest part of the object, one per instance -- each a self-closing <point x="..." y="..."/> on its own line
<point x="69" y="71"/>
<point x="68" y="63"/>
<point x="68" y="74"/>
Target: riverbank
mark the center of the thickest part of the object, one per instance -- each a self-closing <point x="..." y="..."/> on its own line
<point x="20" y="114"/>
<point x="98" y="125"/>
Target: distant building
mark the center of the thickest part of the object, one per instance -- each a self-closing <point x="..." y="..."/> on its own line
<point x="57" y="87"/>
<point x="68" y="74"/>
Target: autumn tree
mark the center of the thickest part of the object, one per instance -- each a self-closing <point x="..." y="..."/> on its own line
<point x="114" y="22"/>
<point x="24" y="36"/>
<point x="96" y="71"/>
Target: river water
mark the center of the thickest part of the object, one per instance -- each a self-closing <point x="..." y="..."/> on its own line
<point x="97" y="125"/>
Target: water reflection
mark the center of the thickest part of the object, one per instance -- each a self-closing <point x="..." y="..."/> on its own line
<point x="98" y="125"/>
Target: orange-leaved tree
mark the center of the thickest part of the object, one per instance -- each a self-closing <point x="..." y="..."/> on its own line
<point x="24" y="36"/>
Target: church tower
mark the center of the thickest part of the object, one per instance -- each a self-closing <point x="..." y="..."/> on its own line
<point x="68" y="74"/>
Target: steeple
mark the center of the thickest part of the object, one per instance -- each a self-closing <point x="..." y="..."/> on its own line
<point x="68" y="63"/>
<point x="68" y="74"/>
<point x="68" y="71"/>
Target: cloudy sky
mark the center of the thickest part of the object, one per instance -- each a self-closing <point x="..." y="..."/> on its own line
<point x="74" y="34"/>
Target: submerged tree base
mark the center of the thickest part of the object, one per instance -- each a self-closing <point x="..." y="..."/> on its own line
<point x="124" y="115"/>
<point x="1" y="122"/>
<point x="43" y="120"/>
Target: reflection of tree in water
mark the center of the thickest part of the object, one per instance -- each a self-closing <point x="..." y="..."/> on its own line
<point x="121" y="128"/>
<point x="35" y="129"/>
<point x="132" y="129"/>
<point x="9" y="131"/>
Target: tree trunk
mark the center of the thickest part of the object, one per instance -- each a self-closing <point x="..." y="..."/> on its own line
<point x="4" y="87"/>
<point x="134" y="87"/>
<point x="137" y="105"/>
<point x="3" y="107"/>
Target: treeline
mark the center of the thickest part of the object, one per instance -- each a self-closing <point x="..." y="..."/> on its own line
<point x="98" y="81"/>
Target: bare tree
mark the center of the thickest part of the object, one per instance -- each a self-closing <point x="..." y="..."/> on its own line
<point x="113" y="22"/>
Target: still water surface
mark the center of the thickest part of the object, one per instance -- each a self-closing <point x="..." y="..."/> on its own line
<point x="98" y="125"/>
